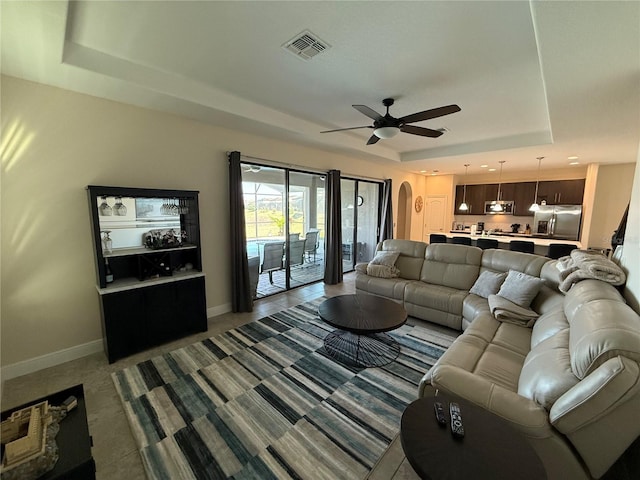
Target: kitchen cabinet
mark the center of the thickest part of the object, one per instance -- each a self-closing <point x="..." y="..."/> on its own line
<point x="561" y="192"/>
<point x="148" y="266"/>
<point x="523" y="198"/>
<point x="565" y="192"/>
<point x="476" y="196"/>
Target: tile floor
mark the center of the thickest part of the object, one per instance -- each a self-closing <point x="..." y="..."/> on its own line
<point x="114" y="449"/>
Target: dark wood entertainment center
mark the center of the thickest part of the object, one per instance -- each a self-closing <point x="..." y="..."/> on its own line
<point x="158" y="290"/>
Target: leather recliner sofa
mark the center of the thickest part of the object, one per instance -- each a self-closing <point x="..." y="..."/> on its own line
<point x="570" y="384"/>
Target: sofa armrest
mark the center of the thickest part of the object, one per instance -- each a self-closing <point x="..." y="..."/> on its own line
<point x="526" y="415"/>
<point x="361" y="268"/>
<point x="599" y="415"/>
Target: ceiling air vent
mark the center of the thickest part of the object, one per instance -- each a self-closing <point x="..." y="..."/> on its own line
<point x="306" y="45"/>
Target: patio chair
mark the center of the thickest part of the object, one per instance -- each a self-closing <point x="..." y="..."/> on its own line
<point x="254" y="272"/>
<point x="311" y="244"/>
<point x="296" y="252"/>
<point x="294" y="236"/>
<point x="272" y="258"/>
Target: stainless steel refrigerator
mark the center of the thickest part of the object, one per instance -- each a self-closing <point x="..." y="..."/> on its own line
<point x="558" y="221"/>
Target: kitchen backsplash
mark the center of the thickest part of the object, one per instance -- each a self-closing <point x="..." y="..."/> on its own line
<point x="494" y="222"/>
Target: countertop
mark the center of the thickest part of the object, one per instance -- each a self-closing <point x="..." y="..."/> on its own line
<point x="505" y="237"/>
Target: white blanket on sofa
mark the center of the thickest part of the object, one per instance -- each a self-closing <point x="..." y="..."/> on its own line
<point x="507" y="311"/>
<point x="583" y="264"/>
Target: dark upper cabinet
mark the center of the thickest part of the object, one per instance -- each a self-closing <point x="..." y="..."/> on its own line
<point x="565" y="192"/>
<point x="476" y="196"/>
<point x="523" y="198"/>
<point x="561" y="192"/>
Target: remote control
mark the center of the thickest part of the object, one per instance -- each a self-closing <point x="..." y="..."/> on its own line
<point x="457" y="429"/>
<point x="442" y="420"/>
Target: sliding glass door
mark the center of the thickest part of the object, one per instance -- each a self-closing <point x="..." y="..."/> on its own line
<point x="360" y="205"/>
<point x="285" y="225"/>
<point x="265" y="206"/>
<point x="305" y="259"/>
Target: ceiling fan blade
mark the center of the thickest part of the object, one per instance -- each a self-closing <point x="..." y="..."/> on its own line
<point x="369" y="112"/>
<point x="373" y="140"/>
<point x="428" y="114"/>
<point x="342" y="129"/>
<point x="423" y="132"/>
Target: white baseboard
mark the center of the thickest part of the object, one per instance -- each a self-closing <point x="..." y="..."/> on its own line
<point x="50" y="359"/>
<point x="218" y="310"/>
<point x="73" y="353"/>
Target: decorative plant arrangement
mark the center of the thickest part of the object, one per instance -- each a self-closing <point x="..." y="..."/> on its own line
<point x="159" y="239"/>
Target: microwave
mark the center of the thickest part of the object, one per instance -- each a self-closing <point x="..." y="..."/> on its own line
<point x="507" y="208"/>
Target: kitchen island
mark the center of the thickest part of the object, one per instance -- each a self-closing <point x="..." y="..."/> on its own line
<point x="541" y="245"/>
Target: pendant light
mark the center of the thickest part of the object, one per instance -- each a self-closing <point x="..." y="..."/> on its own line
<point x="497" y="206"/>
<point x="534" y="206"/>
<point x="463" y="206"/>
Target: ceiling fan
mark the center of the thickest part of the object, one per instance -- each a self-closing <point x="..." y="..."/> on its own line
<point x="387" y="126"/>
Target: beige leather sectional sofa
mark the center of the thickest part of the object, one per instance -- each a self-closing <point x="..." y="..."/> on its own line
<point x="570" y="383"/>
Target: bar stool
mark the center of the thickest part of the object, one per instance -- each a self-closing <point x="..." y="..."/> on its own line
<point x="485" y="243"/>
<point x="557" y="250"/>
<point x="437" y="238"/>
<point x="521" y="246"/>
<point x="462" y="240"/>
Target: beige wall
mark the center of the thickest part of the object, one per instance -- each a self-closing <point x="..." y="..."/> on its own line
<point x="612" y="194"/>
<point x="54" y="144"/>
<point x="631" y="249"/>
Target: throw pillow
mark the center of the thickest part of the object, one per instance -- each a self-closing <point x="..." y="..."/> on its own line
<point x="488" y="283"/>
<point x="520" y="288"/>
<point x="382" y="271"/>
<point x="385" y="258"/>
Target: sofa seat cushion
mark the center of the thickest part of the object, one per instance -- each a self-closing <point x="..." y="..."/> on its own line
<point x="435" y="303"/>
<point x="547" y="325"/>
<point x="492" y="350"/>
<point x="437" y="297"/>
<point x="546" y="374"/>
<point x="392" y="288"/>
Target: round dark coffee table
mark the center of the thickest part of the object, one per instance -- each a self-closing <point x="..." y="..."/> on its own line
<point x="361" y="321"/>
<point x="490" y="449"/>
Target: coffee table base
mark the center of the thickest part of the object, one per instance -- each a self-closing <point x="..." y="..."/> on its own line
<point x="368" y="350"/>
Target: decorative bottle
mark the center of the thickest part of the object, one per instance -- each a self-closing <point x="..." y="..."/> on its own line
<point x="108" y="272"/>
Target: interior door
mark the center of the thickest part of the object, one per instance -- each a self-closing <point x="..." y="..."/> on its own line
<point x="435" y="215"/>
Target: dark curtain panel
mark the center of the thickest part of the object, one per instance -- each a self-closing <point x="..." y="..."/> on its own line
<point x="386" y="220"/>
<point x="333" y="252"/>
<point x="241" y="300"/>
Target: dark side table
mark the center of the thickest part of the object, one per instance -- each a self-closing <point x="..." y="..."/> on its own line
<point x="490" y="449"/>
<point x="74" y="442"/>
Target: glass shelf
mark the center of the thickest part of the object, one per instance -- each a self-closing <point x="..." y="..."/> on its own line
<point x="124" y="252"/>
<point x="131" y="283"/>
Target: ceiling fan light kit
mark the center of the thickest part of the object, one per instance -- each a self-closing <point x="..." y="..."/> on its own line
<point x="386" y="126"/>
<point x="386" y="132"/>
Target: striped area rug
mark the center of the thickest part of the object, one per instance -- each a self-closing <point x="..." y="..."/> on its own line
<point x="264" y="401"/>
